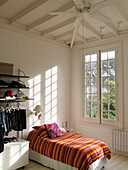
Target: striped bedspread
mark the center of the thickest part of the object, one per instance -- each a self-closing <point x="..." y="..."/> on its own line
<point x="74" y="150"/>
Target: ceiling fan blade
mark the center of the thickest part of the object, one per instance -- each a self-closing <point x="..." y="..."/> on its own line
<point x="58" y="13"/>
<point x="78" y="3"/>
<point x="100" y="17"/>
<point x="77" y="21"/>
<point x="105" y="3"/>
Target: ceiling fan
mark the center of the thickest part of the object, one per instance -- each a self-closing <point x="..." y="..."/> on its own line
<point x="85" y="7"/>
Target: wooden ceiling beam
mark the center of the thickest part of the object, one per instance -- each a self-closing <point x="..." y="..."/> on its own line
<point x="2" y="2"/>
<point x="122" y="12"/>
<point x="48" y="17"/>
<point x="63" y="24"/>
<point x="63" y="35"/>
<point x="26" y="11"/>
<point x="112" y="28"/>
<point x="80" y="37"/>
<point x="92" y="30"/>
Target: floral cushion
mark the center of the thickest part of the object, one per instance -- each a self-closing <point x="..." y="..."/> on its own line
<point x="53" y="130"/>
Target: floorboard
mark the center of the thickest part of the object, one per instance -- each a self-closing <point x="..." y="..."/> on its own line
<point x="117" y="162"/>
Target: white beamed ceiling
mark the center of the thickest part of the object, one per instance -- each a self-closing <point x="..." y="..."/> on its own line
<point x="32" y="16"/>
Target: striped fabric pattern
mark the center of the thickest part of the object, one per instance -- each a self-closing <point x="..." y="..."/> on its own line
<point x="74" y="150"/>
<point x="41" y="130"/>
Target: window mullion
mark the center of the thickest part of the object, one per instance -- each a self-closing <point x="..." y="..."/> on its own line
<point x="99" y="86"/>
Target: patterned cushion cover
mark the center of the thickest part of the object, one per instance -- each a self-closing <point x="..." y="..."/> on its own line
<point x="53" y="130"/>
<point x="41" y="130"/>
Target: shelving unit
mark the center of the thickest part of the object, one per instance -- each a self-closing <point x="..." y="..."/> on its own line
<point x="3" y="99"/>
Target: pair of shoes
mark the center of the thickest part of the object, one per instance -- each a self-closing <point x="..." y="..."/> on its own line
<point x="7" y="140"/>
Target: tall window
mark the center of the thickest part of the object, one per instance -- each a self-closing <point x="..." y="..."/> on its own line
<point x="100" y="86"/>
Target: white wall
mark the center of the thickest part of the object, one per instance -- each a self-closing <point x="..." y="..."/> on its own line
<point x="34" y="57"/>
<point x="92" y="130"/>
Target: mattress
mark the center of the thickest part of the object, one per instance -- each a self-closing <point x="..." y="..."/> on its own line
<point x="51" y="163"/>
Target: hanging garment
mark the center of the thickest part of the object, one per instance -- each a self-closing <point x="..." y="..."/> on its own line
<point x="1" y="138"/>
<point x="16" y="120"/>
<point x="19" y="120"/>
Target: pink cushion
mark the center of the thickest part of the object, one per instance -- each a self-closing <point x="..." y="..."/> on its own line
<point x="53" y="130"/>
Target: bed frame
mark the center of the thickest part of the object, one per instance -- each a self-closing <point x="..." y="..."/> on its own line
<point x="51" y="163"/>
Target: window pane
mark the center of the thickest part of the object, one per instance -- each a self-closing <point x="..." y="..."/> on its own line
<point x="111" y="54"/>
<point x="88" y="105"/>
<point x="93" y="89"/>
<point x="87" y="58"/>
<point x="93" y="57"/>
<point x="104" y="56"/>
<point x="88" y="113"/>
<point x="105" y="115"/>
<point x="112" y="98"/>
<point x="112" y="116"/>
<point x="88" y="66"/>
<point x="104" y="64"/>
<point x="94" y="106"/>
<point x="111" y="63"/>
<point x="88" y="74"/>
<point x="112" y="106"/>
<point x="105" y="106"/>
<point x="94" y="113"/>
<point x="104" y="72"/>
<point x="87" y="82"/>
<point x="111" y="72"/>
<point x="94" y="65"/>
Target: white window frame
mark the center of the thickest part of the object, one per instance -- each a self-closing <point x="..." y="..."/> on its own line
<point x="119" y="85"/>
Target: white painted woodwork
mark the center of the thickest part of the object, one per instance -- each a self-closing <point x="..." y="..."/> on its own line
<point x="122" y="12"/>
<point x="111" y="27"/>
<point x="63" y="24"/>
<point x="33" y="17"/>
<point x="15" y="155"/>
<point x="26" y="11"/>
<point x="92" y="30"/>
<point x="48" y="17"/>
<point x="63" y="35"/>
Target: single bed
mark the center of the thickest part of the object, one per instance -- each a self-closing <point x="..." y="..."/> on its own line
<point x="68" y="151"/>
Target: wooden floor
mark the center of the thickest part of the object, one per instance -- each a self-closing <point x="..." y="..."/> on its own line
<point x="117" y="162"/>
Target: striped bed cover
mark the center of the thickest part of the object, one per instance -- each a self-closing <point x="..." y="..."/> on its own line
<point x="74" y="150"/>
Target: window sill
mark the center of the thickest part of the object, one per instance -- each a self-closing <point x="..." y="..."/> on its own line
<point x="100" y="125"/>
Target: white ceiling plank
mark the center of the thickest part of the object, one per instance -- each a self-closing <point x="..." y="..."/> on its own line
<point x="111" y="27"/>
<point x="122" y="12"/>
<point x="80" y="37"/>
<point x="63" y="24"/>
<point x="27" y="11"/>
<point x="92" y="30"/>
<point x="73" y="37"/>
<point x="63" y="35"/>
<point x="2" y="2"/>
<point x="48" y="17"/>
